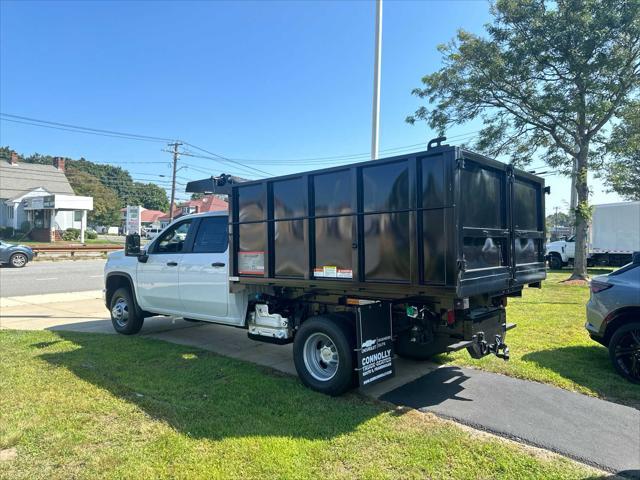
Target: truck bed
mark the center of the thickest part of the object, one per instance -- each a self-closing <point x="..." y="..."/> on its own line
<point x="445" y="221"/>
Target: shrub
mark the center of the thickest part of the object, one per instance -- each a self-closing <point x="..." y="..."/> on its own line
<point x="7" y="232"/>
<point x="25" y="227"/>
<point x="71" y="234"/>
<point x="91" y="235"/>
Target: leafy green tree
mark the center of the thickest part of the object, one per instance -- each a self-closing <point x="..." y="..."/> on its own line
<point x="151" y="196"/>
<point x="106" y="206"/>
<point x="548" y="79"/>
<point x="622" y="173"/>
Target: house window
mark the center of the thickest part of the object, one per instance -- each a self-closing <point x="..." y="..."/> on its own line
<point x="77" y="215"/>
<point x="9" y="211"/>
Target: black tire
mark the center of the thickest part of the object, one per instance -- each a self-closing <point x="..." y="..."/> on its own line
<point x="18" y="260"/>
<point x="555" y="262"/>
<point x="125" y="317"/>
<point x="624" y="351"/>
<point x="405" y="348"/>
<point x="341" y="334"/>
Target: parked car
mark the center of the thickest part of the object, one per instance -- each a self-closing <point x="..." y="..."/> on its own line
<point x="613" y="317"/>
<point x="150" y="233"/>
<point x="15" y="255"/>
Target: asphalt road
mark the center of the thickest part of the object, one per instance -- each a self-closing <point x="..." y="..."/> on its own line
<point x="591" y="430"/>
<point x="52" y="277"/>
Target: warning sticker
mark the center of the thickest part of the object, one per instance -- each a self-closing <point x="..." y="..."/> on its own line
<point x="331" y="271"/>
<point x="251" y="263"/>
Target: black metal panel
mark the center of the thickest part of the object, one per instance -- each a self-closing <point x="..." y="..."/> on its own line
<point x="525" y="206"/>
<point x="333" y="193"/>
<point x="482" y="197"/>
<point x="434" y="188"/>
<point x="486" y="252"/>
<point x="434" y="246"/>
<point x="333" y="241"/>
<point x="289" y="248"/>
<point x="527" y="250"/>
<point x="386" y="247"/>
<point x="385" y="187"/>
<point x="289" y="199"/>
<point x="252" y="203"/>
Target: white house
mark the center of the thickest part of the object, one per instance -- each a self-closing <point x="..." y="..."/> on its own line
<point x="42" y="196"/>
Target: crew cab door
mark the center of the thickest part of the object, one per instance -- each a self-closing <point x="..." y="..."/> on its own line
<point x="157" y="278"/>
<point x="203" y="272"/>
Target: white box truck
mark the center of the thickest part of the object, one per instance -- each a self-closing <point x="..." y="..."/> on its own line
<point x="614" y="235"/>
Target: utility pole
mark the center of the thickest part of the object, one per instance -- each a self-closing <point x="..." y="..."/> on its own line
<point x="175" y="146"/>
<point x="375" y="121"/>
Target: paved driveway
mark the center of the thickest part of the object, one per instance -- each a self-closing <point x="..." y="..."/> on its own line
<point x="594" y="431"/>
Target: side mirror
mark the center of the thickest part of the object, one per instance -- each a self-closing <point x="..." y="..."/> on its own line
<point x="132" y="245"/>
<point x="635" y="257"/>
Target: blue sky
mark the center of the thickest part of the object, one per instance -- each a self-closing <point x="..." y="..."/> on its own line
<point x="255" y="81"/>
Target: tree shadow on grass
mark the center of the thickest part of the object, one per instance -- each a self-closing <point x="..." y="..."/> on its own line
<point x="206" y="395"/>
<point x="590" y="367"/>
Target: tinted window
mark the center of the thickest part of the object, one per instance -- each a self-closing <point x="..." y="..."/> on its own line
<point x="332" y="192"/>
<point x="289" y="198"/>
<point x="173" y="240"/>
<point x="212" y="235"/>
<point x="386" y="187"/>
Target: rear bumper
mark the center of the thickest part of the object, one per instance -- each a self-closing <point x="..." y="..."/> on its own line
<point x="485" y="331"/>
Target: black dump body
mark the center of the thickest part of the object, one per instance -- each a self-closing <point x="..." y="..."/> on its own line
<point x="442" y="221"/>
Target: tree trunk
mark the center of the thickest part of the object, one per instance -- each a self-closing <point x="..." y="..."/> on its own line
<point x="582" y="216"/>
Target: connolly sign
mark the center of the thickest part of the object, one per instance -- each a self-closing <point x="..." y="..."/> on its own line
<point x="375" y="352"/>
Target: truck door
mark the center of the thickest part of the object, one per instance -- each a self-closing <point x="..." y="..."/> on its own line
<point x="527" y="219"/>
<point x="157" y="278"/>
<point x="203" y="271"/>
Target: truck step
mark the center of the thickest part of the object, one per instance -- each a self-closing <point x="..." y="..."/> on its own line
<point x="460" y="345"/>
<point x="509" y="326"/>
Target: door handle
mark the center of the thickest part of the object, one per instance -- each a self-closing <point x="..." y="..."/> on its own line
<point x="218" y="264"/>
<point x="172" y="264"/>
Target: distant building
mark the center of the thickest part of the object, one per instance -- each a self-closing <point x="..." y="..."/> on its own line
<point x="42" y="196"/>
<point x="208" y="203"/>
<point x="148" y="218"/>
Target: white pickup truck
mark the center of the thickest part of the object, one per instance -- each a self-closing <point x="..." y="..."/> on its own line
<point x="351" y="265"/>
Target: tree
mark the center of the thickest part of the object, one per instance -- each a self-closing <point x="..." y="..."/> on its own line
<point x="549" y="80"/>
<point x="622" y="173"/>
<point x="151" y="196"/>
<point x="106" y="206"/>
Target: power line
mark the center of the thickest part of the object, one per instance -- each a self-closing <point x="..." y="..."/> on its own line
<point x="224" y="159"/>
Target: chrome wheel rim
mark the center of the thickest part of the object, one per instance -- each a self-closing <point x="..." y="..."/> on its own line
<point x="18" y="260"/>
<point x="120" y="312"/>
<point x="627" y="353"/>
<point x="320" y="356"/>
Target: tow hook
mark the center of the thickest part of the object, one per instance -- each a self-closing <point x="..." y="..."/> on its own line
<point x="500" y="349"/>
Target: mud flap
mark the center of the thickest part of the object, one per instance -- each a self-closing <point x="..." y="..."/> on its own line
<point x="374" y="343"/>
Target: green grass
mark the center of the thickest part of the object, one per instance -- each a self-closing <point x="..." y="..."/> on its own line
<point x="551" y="345"/>
<point x="100" y="406"/>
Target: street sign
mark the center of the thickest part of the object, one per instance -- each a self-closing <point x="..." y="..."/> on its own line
<point x="133" y="219"/>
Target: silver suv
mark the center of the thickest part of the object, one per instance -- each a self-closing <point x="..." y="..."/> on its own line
<point x="613" y="317"/>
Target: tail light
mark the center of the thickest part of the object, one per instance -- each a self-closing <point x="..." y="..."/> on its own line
<point x="451" y="317"/>
<point x="599" y="286"/>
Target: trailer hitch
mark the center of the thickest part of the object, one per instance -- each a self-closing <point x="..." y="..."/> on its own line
<point x="499" y="348"/>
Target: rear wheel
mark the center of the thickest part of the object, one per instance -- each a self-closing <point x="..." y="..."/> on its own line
<point x="323" y="353"/>
<point x="624" y="351"/>
<point x="18" y="260"/>
<point x="555" y="262"/>
<point x="124" y="315"/>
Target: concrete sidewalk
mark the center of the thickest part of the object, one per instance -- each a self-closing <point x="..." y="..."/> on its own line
<point x="594" y="431"/>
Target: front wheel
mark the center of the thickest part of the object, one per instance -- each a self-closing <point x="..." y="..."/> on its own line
<point x="18" y="260"/>
<point x="624" y="351"/>
<point x="323" y="353"/>
<point x="555" y="262"/>
<point x="124" y="316"/>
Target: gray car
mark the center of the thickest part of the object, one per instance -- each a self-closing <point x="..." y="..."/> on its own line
<point x="15" y="255"/>
<point x="613" y="317"/>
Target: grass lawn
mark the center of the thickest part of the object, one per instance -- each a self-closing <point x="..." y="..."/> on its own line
<point x="101" y="406"/>
<point x="550" y="343"/>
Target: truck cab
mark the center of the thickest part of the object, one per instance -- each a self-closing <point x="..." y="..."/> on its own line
<point x="182" y="272"/>
<point x="561" y="252"/>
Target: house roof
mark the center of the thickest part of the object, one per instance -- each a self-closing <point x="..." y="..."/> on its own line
<point x="208" y="203"/>
<point x="22" y="178"/>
